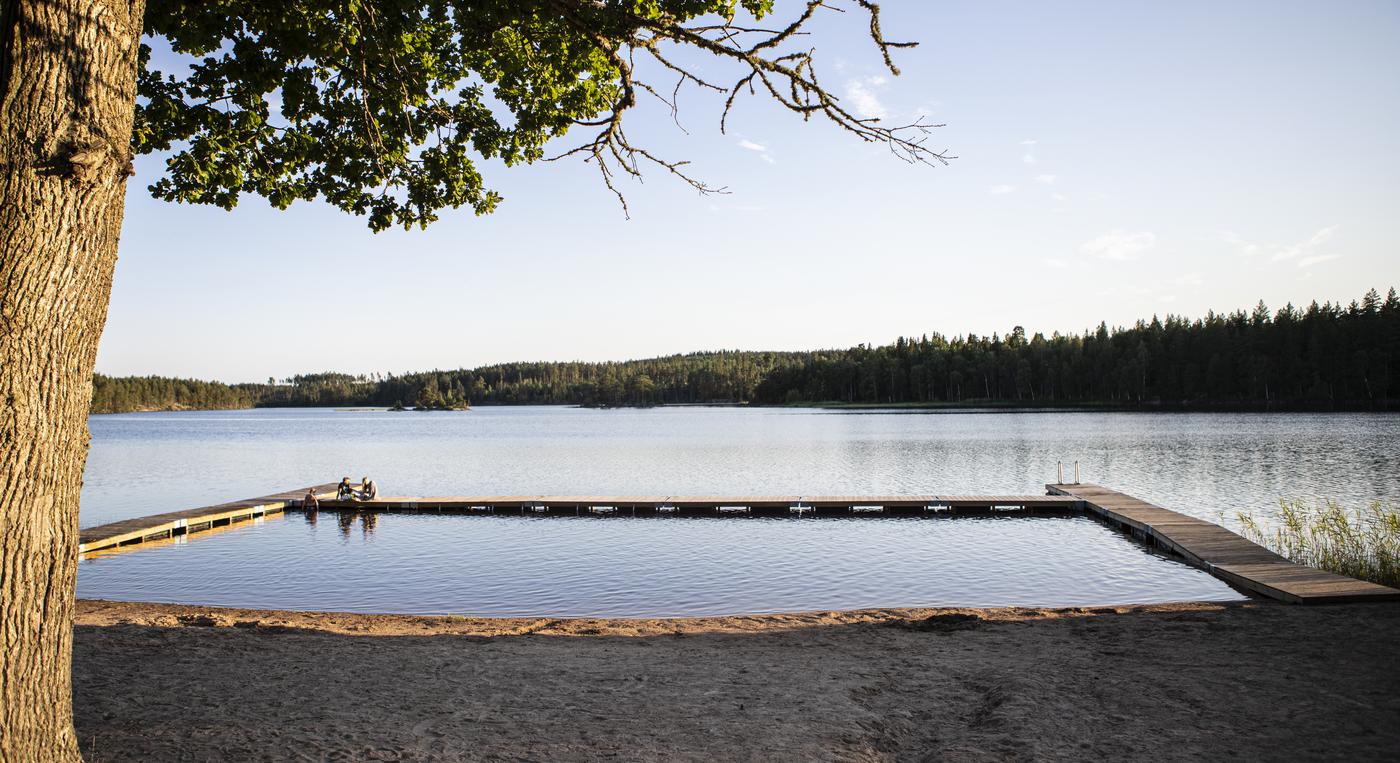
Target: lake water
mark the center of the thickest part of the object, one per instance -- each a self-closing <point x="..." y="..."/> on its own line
<point x="1199" y="464"/>
<point x="1207" y="465"/>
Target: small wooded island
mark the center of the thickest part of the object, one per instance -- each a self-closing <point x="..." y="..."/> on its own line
<point x="440" y="406"/>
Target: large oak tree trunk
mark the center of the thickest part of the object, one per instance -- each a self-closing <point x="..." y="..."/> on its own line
<point x="67" y="96"/>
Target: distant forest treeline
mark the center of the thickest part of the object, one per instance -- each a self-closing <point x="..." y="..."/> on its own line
<point x="706" y="377"/>
<point x="1327" y="356"/>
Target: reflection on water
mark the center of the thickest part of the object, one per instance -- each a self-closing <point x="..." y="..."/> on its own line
<point x="655" y="567"/>
<point x="346" y="520"/>
<point x="1200" y="464"/>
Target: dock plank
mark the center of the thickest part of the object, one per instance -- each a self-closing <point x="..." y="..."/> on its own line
<point x="1225" y="554"/>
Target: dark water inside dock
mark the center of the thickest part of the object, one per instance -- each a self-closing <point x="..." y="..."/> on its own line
<point x="622" y="567"/>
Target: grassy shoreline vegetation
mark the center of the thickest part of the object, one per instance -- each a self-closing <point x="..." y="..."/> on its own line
<point x="1360" y="543"/>
<point x="1324" y="357"/>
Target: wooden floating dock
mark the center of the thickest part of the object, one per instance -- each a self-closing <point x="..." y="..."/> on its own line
<point x="170" y="524"/>
<point x="1224" y="554"/>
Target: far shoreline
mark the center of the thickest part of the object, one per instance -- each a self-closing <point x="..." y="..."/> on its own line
<point x="971" y="407"/>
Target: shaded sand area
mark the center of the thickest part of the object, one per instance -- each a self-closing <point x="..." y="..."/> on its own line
<point x="1170" y="682"/>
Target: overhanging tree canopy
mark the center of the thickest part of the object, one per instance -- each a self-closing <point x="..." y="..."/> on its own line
<point x="385" y="109"/>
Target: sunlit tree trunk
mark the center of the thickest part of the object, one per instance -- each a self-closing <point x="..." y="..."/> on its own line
<point x="67" y="96"/>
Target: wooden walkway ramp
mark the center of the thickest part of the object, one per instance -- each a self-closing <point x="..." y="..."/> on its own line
<point x="129" y="531"/>
<point x="1224" y="554"/>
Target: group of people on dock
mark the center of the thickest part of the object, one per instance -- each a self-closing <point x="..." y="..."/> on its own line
<point x="345" y="491"/>
<point x="367" y="491"/>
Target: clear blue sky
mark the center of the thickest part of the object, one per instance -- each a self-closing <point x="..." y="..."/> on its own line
<point x="1115" y="161"/>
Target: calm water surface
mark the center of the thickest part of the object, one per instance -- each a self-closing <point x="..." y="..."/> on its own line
<point x="1200" y="464"/>
<point x="1208" y="465"/>
<point x="617" y="567"/>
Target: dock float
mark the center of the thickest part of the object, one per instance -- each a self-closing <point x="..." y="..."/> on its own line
<point x="1226" y="555"/>
<point x="170" y="524"/>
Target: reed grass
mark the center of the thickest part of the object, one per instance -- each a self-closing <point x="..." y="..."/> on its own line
<point x="1360" y="543"/>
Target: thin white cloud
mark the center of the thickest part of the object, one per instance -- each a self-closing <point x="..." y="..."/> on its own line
<point x="1322" y="235"/>
<point x="1246" y="248"/>
<point x="1055" y="262"/>
<point x="1315" y="259"/>
<point x="1029" y="158"/>
<point x="1303" y="247"/>
<point x="864" y="101"/>
<point x="1029" y="142"/>
<point x="1046" y="179"/>
<point x="757" y="148"/>
<point x="1120" y="245"/>
<point x="924" y="112"/>
<point x="1059" y="197"/>
<point x="1000" y="189"/>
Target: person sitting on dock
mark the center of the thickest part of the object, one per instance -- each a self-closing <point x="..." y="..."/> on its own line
<point x="311" y="502"/>
<point x="344" y="490"/>
<point x="368" y="490"/>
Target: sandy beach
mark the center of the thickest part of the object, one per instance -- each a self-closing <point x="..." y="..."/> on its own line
<point x="1252" y="681"/>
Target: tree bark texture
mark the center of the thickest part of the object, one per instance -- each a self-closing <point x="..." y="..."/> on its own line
<point x="67" y="98"/>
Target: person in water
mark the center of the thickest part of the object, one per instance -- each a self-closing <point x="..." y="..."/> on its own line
<point x="344" y="490"/>
<point x="311" y="502"/>
<point x="368" y="490"/>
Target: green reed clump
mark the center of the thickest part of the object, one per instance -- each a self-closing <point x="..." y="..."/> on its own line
<point x="1363" y="543"/>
